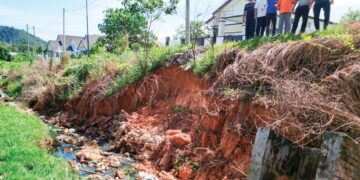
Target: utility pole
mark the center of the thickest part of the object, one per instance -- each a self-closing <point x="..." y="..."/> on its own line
<point x="34" y="49"/>
<point x="187" y="22"/>
<point x="10" y="50"/>
<point x="28" y="39"/>
<point x="63" y="44"/>
<point x="87" y="27"/>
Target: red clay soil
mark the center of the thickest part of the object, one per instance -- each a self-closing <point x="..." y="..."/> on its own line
<point x="172" y="123"/>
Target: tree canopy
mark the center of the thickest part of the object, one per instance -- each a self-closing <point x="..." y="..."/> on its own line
<point x="130" y="25"/>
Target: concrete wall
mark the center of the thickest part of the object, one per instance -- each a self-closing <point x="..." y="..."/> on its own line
<point x="340" y="158"/>
<point x="275" y="157"/>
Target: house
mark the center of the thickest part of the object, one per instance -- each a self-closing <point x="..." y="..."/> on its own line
<point x="54" y="49"/>
<point x="82" y="47"/>
<point x="75" y="45"/>
<point x="227" y="22"/>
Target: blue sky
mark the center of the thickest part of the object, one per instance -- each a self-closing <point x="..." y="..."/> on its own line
<point x="46" y="15"/>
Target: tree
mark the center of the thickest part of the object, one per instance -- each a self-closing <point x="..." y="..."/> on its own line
<point x="152" y="10"/>
<point x="39" y="49"/>
<point x="352" y="15"/>
<point x="121" y="22"/>
<point x="4" y="53"/>
<point x="196" y="30"/>
<point x="134" y="20"/>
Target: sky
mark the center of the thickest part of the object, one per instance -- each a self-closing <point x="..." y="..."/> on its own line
<point x="46" y="15"/>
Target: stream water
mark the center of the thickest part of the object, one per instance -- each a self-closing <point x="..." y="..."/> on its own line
<point x="94" y="161"/>
<point x="3" y="94"/>
<point x="90" y="158"/>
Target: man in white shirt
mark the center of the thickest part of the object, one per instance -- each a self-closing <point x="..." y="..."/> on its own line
<point x="260" y="15"/>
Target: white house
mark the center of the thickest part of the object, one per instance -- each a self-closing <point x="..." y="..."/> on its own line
<point x="73" y="44"/>
<point x="227" y="21"/>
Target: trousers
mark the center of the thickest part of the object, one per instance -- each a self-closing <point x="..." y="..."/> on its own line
<point x="317" y="8"/>
<point x="285" y="20"/>
<point x="260" y="26"/>
<point x="301" y="12"/>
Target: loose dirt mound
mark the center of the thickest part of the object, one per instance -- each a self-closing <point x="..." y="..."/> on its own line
<point x="171" y="120"/>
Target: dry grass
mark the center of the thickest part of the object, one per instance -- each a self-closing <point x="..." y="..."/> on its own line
<point x="310" y="86"/>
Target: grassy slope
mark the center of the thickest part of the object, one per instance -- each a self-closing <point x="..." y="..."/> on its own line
<point x="21" y="156"/>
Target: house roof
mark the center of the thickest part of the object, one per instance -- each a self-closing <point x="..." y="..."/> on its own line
<point x="218" y="9"/>
<point x="79" y="41"/>
<point x="54" y="44"/>
<point x="92" y="40"/>
<point x="69" y="39"/>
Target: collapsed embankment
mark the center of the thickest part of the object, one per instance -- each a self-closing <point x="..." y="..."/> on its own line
<point x="179" y="124"/>
<point x="172" y="120"/>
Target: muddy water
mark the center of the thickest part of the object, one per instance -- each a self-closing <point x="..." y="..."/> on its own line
<point x="90" y="158"/>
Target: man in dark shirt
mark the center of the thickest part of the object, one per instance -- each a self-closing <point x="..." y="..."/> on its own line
<point x="249" y="19"/>
<point x="326" y="6"/>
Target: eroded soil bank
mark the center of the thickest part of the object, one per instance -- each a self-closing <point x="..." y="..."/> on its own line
<point x="171" y="124"/>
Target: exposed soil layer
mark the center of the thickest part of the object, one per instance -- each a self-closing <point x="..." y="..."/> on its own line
<point x="171" y="122"/>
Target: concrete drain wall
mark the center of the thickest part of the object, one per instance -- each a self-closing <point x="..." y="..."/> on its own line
<point x="275" y="157"/>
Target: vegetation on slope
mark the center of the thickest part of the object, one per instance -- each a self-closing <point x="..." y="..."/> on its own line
<point x="146" y="63"/>
<point x="18" y="38"/>
<point x="23" y="153"/>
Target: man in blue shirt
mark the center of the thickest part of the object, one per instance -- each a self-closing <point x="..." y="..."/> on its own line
<point x="271" y="16"/>
<point x="249" y="19"/>
<point x="326" y="6"/>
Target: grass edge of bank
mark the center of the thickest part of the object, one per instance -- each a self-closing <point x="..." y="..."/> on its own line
<point x="23" y="153"/>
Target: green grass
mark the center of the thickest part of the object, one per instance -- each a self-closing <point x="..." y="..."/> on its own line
<point x="10" y="66"/>
<point x="144" y="65"/>
<point x="21" y="154"/>
<point x="14" y="88"/>
<point x="203" y="65"/>
<point x="335" y="31"/>
<point x="252" y="44"/>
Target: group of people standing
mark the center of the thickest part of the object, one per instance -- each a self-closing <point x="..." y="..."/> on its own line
<point x="261" y="15"/>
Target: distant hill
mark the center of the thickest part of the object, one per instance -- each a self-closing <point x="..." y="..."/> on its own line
<point x="17" y="36"/>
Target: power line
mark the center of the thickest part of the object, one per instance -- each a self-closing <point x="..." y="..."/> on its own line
<point x="52" y="22"/>
<point x="82" y="7"/>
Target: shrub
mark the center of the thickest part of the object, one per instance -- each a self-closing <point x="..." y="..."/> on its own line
<point x="65" y="58"/>
<point x="21" y="57"/>
<point x="146" y="64"/>
<point x="4" y="54"/>
<point x="352" y="15"/>
<point x="14" y="88"/>
<point x="73" y="80"/>
<point x="204" y="64"/>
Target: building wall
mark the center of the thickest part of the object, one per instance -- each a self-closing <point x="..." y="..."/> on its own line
<point x="232" y="14"/>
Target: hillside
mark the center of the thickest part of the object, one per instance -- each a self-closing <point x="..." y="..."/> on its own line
<point x="17" y="36"/>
